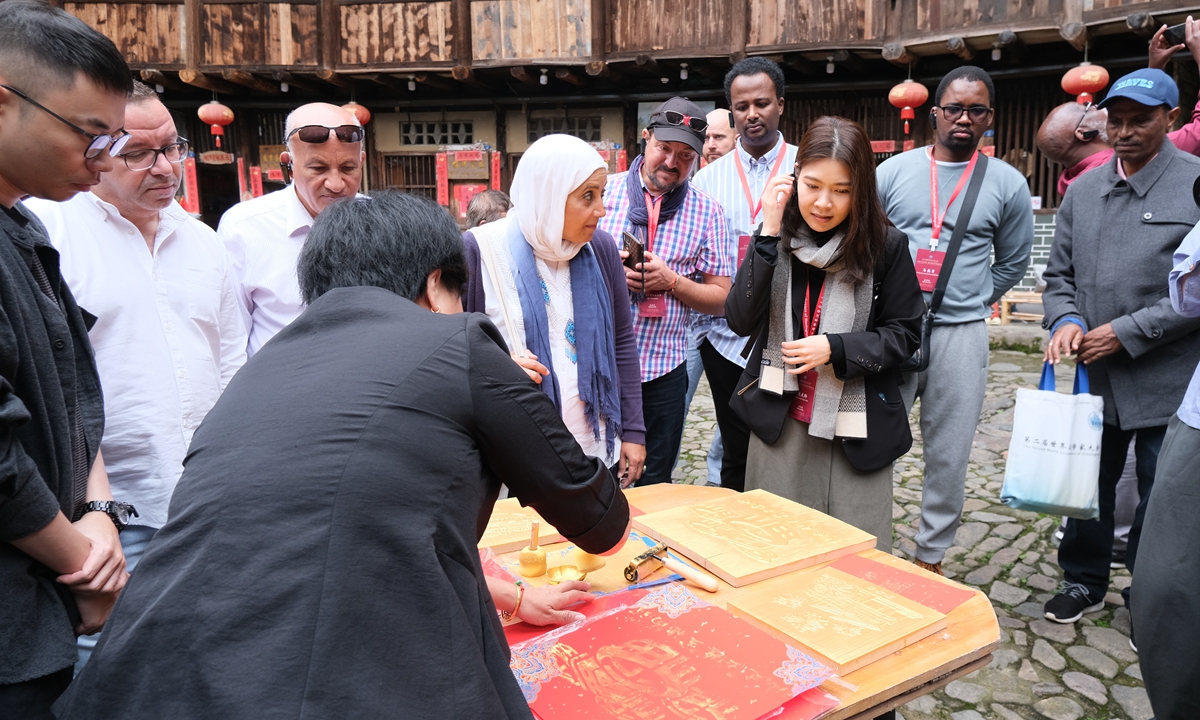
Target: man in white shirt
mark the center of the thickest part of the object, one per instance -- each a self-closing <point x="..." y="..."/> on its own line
<point x="754" y="89"/>
<point x="264" y="235"/>
<point x="168" y="335"/>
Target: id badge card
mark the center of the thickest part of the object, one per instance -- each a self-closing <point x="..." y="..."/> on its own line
<point x="802" y="405"/>
<point x="654" y="306"/>
<point x="771" y="379"/>
<point x="743" y="248"/>
<point x="928" y="266"/>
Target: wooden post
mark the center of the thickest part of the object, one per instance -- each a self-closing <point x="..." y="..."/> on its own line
<point x="1072" y="29"/>
<point x="738" y="29"/>
<point x="1142" y="24"/>
<point x="462" y="32"/>
<point x="599" y="33"/>
<point x="330" y="24"/>
<point x="193" y="38"/>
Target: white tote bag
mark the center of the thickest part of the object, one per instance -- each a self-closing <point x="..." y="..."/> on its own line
<point x="1054" y="455"/>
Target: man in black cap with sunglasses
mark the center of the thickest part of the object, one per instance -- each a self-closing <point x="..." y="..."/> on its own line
<point x="63" y="88"/>
<point x="264" y="235"/>
<point x="682" y="232"/>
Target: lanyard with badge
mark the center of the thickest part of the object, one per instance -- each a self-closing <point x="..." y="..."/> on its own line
<point x="802" y="405"/>
<point x="929" y="262"/>
<point x="655" y="304"/>
<point x="755" y="209"/>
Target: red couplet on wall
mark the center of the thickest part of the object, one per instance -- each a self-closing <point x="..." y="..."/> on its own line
<point x="190" y="200"/>
<point x="622" y="161"/>
<point x="443" y="180"/>
<point x="256" y="188"/>
<point x="495" y="170"/>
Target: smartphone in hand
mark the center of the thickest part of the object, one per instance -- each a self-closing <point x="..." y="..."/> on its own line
<point x="637" y="251"/>
<point x="1176" y="34"/>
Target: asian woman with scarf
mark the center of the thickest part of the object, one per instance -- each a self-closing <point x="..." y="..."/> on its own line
<point x="831" y="299"/>
<point x="559" y="299"/>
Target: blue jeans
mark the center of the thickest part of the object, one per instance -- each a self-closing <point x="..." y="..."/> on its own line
<point x="695" y="368"/>
<point x="664" y="410"/>
<point x="134" y="540"/>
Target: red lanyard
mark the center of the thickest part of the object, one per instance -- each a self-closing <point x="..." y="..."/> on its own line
<point x="653" y="207"/>
<point x="810" y="328"/>
<point x="755" y="209"/>
<point x="933" y="196"/>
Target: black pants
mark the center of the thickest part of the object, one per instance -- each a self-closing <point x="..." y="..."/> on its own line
<point x="1086" y="548"/>
<point x="664" y="406"/>
<point x="31" y="700"/>
<point x="723" y="377"/>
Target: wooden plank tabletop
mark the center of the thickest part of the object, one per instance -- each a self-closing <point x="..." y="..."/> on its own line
<point x="965" y="645"/>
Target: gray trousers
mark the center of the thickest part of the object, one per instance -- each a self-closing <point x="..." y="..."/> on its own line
<point x="1166" y="583"/>
<point x="951" y="393"/>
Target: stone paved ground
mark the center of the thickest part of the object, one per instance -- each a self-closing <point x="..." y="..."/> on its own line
<point x="1085" y="671"/>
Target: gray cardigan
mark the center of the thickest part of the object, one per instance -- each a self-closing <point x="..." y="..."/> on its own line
<point x="1113" y="243"/>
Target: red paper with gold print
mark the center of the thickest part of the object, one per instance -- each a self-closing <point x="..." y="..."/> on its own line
<point x="926" y="591"/>
<point x="669" y="657"/>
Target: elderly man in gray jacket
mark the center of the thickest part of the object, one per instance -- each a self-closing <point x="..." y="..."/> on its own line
<point x="1107" y="300"/>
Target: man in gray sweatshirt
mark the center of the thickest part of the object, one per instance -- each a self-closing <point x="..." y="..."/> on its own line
<point x="923" y="191"/>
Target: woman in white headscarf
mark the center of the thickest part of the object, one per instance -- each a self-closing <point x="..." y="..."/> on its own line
<point x="561" y="301"/>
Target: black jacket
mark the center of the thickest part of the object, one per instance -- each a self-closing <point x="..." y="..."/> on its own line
<point x="46" y="362"/>
<point x="892" y="337"/>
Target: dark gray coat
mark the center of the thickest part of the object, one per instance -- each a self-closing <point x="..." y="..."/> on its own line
<point x="319" y="558"/>
<point x="1113" y="243"/>
<point x="46" y="363"/>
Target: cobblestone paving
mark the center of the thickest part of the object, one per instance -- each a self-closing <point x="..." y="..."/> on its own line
<point x="1041" y="669"/>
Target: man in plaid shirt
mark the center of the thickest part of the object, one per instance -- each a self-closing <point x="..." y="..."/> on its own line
<point x="683" y="232"/>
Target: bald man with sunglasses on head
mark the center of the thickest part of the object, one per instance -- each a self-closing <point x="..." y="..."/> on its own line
<point x="264" y="235"/>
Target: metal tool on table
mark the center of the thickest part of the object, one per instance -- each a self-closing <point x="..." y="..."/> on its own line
<point x="658" y="556"/>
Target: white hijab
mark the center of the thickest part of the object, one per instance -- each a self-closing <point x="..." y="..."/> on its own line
<point x="550" y="170"/>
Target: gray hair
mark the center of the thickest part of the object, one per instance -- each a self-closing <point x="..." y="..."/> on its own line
<point x="488" y="206"/>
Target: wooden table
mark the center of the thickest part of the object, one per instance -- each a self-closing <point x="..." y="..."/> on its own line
<point x="1011" y="298"/>
<point x="964" y="646"/>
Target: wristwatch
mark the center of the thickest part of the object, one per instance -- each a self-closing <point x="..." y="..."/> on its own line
<point x="120" y="513"/>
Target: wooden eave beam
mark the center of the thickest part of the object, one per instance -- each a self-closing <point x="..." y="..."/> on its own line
<point x="331" y="76"/>
<point x="1142" y="24"/>
<point x="282" y="76"/>
<point x="520" y="72"/>
<point x="245" y="79"/>
<point x="156" y="77"/>
<point x="386" y="80"/>
<point x="647" y="63"/>
<point x="200" y="80"/>
<point x="961" y="48"/>
<point x="1075" y="33"/>
<point x="433" y="82"/>
<point x="801" y="64"/>
<point x="569" y="76"/>
<point x="464" y="74"/>
<point x="1012" y="44"/>
<point x="897" y="54"/>
<point x="850" y="61"/>
<point x="601" y="69"/>
<point x="706" y="69"/>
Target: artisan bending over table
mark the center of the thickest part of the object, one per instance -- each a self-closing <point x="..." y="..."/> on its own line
<point x="319" y="558"/>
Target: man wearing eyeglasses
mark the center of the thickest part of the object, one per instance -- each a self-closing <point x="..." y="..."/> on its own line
<point x="62" y="106"/>
<point x="683" y="234"/>
<point x="923" y="192"/>
<point x="170" y="334"/>
<point x="264" y="235"/>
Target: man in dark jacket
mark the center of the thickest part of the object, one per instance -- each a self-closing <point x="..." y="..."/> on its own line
<point x="62" y="103"/>
<point x="1107" y="300"/>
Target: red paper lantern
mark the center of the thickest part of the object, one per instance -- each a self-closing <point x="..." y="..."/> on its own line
<point x="1084" y="81"/>
<point x="358" y="111"/>
<point x="216" y="116"/>
<point x="906" y="96"/>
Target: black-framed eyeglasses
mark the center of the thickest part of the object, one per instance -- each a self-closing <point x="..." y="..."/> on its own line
<point x="99" y="143"/>
<point x="317" y="134"/>
<point x="1086" y="135"/>
<point x="697" y="124"/>
<point x="977" y="113"/>
<point x="146" y="159"/>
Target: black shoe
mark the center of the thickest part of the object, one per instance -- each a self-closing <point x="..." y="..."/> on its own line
<point x="1118" y="560"/>
<point x="1070" y="604"/>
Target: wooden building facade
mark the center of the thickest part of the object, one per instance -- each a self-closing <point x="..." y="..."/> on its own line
<point x="493" y="75"/>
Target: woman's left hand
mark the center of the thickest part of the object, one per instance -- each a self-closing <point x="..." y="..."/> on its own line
<point x="631" y="464"/>
<point x="546" y="605"/>
<point x="104" y="570"/>
<point x="529" y="363"/>
<point x="774" y="200"/>
<point x="808" y="353"/>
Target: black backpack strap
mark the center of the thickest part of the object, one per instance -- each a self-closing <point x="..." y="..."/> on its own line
<point x="960" y="229"/>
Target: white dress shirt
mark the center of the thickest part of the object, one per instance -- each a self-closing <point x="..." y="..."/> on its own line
<point x="264" y="237"/>
<point x="168" y="335"/>
<point x="721" y="180"/>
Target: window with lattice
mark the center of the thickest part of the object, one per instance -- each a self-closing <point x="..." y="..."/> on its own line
<point x="584" y="128"/>
<point x="437" y="133"/>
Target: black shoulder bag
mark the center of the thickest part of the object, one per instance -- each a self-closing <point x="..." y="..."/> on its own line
<point x="920" y="359"/>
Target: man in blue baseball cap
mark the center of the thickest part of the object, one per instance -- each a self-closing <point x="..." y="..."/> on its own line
<point x="1107" y="302"/>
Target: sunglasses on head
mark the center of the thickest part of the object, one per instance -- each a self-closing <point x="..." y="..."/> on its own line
<point x="696" y="124"/>
<point x="317" y="134"/>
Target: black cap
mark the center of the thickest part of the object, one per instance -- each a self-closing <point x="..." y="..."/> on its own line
<point x="678" y="133"/>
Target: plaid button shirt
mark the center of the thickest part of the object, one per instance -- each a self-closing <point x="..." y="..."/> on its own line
<point x="695" y="239"/>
